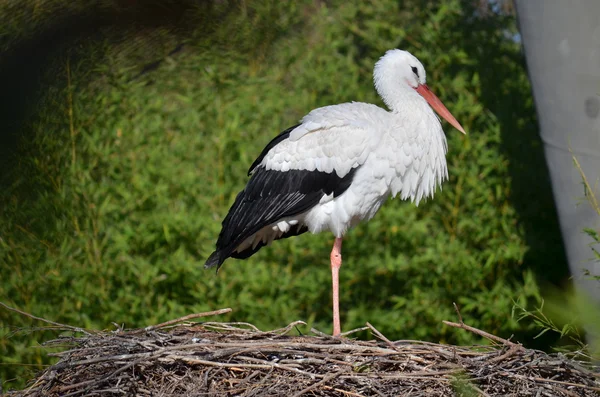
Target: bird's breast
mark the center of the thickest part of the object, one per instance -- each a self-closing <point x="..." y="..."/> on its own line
<point x="360" y="202"/>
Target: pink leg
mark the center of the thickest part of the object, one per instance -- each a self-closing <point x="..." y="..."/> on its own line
<point x="336" y="263"/>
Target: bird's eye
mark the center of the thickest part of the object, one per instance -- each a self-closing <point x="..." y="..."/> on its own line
<point x="415" y="71"/>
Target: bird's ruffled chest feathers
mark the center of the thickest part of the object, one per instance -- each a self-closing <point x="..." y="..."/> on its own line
<point x="412" y="156"/>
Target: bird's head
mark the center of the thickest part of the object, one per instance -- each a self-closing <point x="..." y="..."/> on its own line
<point x="398" y="71"/>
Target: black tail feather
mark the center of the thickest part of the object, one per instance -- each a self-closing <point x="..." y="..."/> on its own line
<point x="214" y="260"/>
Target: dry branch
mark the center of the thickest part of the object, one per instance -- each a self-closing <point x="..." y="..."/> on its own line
<point x="187" y="318"/>
<point x="31" y="316"/>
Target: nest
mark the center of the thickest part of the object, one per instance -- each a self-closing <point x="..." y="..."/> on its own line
<point x="237" y="359"/>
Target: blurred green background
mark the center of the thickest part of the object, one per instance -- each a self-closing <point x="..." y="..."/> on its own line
<point x="127" y="128"/>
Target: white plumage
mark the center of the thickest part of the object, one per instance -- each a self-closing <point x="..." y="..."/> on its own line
<point x="340" y="164"/>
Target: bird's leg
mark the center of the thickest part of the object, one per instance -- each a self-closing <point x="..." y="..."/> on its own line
<point x="336" y="263"/>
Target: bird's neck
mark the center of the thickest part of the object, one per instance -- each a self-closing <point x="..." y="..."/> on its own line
<point x="399" y="100"/>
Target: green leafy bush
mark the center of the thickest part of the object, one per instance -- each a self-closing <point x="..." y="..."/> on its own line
<point x="116" y="189"/>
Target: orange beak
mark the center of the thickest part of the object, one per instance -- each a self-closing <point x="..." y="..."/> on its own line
<point x="438" y="106"/>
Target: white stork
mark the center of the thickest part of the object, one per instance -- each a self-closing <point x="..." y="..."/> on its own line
<point x="338" y="166"/>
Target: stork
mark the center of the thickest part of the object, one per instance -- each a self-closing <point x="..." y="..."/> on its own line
<point x="339" y="165"/>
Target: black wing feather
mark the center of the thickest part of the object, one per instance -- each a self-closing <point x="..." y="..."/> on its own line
<point x="268" y="197"/>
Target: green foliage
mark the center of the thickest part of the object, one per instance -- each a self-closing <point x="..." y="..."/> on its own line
<point x="463" y="387"/>
<point x="120" y="181"/>
<point x="566" y="328"/>
<point x="569" y="315"/>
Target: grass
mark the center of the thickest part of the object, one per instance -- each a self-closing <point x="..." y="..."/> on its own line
<point x="118" y="179"/>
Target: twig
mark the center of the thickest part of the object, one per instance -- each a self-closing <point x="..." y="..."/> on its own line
<point x="186" y="318"/>
<point x="98" y="381"/>
<point x="95" y="360"/>
<point x="74" y="386"/>
<point x="512" y="350"/>
<point x="64" y="326"/>
<point x="381" y="336"/>
<point x="230" y="326"/>
<point x="321" y="334"/>
<point x="478" y="390"/>
<point x="479" y="332"/>
<point x="460" y="320"/>
<point x="323" y="346"/>
<point x="348" y="393"/>
<point x="353" y="331"/>
<point x="284" y="330"/>
<point x="408" y="375"/>
<point x="567" y="392"/>
<point x="319" y="383"/>
<point x="377" y="391"/>
<point x="190" y="360"/>
<point x="560" y="382"/>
